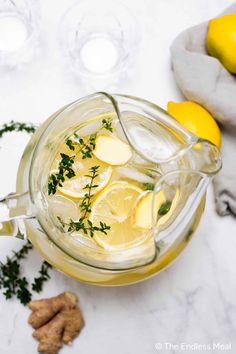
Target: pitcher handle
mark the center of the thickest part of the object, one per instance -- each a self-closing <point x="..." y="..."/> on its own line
<point x="14" y="208"/>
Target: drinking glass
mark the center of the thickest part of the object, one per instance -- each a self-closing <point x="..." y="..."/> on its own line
<point x="100" y="41"/>
<point x="19" y="20"/>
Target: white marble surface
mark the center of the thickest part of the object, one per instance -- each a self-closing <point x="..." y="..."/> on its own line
<point x="194" y="301"/>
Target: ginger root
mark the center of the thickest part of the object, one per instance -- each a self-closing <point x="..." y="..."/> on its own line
<point x="56" y="320"/>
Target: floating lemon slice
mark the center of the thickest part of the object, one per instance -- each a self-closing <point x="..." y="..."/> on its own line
<point x="114" y="207"/>
<point x="143" y="210"/>
<point x="112" y="150"/>
<point x="74" y="187"/>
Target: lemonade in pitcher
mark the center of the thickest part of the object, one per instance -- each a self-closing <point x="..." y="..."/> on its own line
<point x="110" y="189"/>
<point x="100" y="191"/>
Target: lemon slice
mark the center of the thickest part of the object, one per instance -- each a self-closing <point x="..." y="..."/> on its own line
<point x="75" y="187"/>
<point x="114" y="207"/>
<point x="143" y="209"/>
<point x="112" y="150"/>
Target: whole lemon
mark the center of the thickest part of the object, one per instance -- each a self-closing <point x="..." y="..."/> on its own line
<point x="196" y="119"/>
<point x="221" y="40"/>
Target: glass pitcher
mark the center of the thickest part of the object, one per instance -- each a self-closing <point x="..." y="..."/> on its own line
<point x="165" y="156"/>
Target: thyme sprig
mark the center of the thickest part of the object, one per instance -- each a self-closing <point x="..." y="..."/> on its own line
<point x="84" y="224"/>
<point x="107" y="124"/>
<point x="10" y="279"/>
<point x="88" y="146"/>
<point x="85" y="206"/>
<point x="148" y="186"/>
<point x="13" y="283"/>
<point x="44" y="276"/>
<point x="87" y="227"/>
<point x="65" y="166"/>
<point x="165" y="208"/>
<point x="64" y="170"/>
<point x="17" y="127"/>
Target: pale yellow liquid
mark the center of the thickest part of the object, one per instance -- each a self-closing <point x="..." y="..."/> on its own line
<point x="72" y="267"/>
<point x="136" y="172"/>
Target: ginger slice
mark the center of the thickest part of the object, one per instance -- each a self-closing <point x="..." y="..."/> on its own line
<point x="56" y="320"/>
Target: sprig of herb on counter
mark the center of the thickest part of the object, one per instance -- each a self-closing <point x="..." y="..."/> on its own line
<point x="84" y="224"/>
<point x="17" y="127"/>
<point x="13" y="283"/>
<point x="44" y="276"/>
<point x="65" y="166"/>
<point x="11" y="280"/>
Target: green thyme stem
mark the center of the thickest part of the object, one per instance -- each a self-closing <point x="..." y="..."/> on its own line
<point x="86" y="202"/>
<point x="65" y="165"/>
<point x="84" y="223"/>
<point x="17" y="127"/>
<point x="44" y="276"/>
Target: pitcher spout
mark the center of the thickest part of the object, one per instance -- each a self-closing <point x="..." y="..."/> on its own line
<point x="206" y="157"/>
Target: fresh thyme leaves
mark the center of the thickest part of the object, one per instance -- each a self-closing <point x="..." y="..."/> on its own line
<point x="70" y="144"/>
<point x="85" y="206"/>
<point x="84" y="224"/>
<point x="23" y="252"/>
<point x="87" y="227"/>
<point x="107" y="124"/>
<point x="22" y="293"/>
<point x="65" y="169"/>
<point x="11" y="281"/>
<point x="37" y="285"/>
<point x="165" y="207"/>
<point x="89" y="146"/>
<point x="65" y="166"/>
<point x="16" y="126"/>
<point x="85" y="147"/>
<point x="149" y="186"/>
